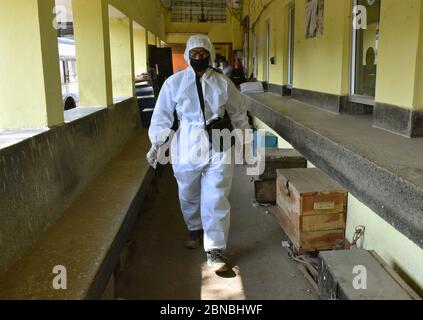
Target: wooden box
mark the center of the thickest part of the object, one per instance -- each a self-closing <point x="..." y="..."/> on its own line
<point x="265" y="191"/>
<point x="312" y="209"/>
<point x="281" y="159"/>
<point x="265" y="184"/>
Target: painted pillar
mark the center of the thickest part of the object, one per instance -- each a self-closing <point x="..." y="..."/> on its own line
<point x="151" y="39"/>
<point x="418" y="87"/>
<point x="91" y="24"/>
<point x="398" y="60"/>
<point x="30" y="87"/>
<point x="121" y="57"/>
<point x="140" y="50"/>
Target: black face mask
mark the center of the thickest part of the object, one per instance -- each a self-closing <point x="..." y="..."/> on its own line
<point x="200" y="65"/>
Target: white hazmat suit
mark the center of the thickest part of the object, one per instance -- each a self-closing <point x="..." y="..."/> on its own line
<point x="204" y="186"/>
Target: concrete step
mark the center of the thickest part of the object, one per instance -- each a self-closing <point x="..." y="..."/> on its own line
<point x="359" y="275"/>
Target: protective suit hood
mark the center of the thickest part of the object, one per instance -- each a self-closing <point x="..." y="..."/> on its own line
<point x="199" y="41"/>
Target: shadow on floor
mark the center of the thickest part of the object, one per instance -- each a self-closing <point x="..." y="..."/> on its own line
<point x="160" y="268"/>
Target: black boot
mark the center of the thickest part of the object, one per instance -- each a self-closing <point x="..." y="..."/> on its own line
<point x="194" y="239"/>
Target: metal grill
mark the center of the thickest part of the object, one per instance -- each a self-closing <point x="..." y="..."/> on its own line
<point x="212" y="11"/>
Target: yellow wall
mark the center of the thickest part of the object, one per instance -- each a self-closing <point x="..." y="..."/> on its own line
<point x="323" y="63"/>
<point x="397" y="250"/>
<point x="30" y="90"/>
<point x="151" y="39"/>
<point x="51" y="74"/>
<point x="92" y="41"/>
<point x="148" y="13"/>
<point x="230" y="32"/>
<point x="120" y="47"/>
<point x="277" y="14"/>
<point x="179" y="32"/>
<point x="140" y="51"/>
<point x="418" y="89"/>
<point x="263" y="126"/>
<point x="398" y="44"/>
<point x="320" y="64"/>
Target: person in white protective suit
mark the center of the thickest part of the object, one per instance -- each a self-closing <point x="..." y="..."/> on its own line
<point x="204" y="185"/>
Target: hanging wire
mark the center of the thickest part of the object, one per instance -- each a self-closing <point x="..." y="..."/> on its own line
<point x="359" y="232"/>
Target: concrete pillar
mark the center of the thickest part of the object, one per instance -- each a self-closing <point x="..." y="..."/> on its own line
<point x="132" y="51"/>
<point x="418" y="87"/>
<point x="91" y="24"/>
<point x="400" y="69"/>
<point x="398" y="48"/>
<point x="30" y="89"/>
<point x="151" y="39"/>
<point x="122" y="57"/>
<point x="140" y="50"/>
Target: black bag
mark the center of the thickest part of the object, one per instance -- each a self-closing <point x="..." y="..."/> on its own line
<point x="220" y="124"/>
<point x="217" y="124"/>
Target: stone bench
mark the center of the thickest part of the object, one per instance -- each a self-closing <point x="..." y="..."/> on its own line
<point x="359" y="275"/>
<point x="88" y="237"/>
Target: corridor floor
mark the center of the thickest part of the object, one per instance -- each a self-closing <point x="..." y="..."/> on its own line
<point x="160" y="268"/>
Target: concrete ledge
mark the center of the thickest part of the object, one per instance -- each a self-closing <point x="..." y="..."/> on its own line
<point x="278" y="89"/>
<point x="80" y="113"/>
<point x="383" y="170"/>
<point x="286" y="91"/>
<point x="417" y="124"/>
<point x="41" y="175"/>
<point x="10" y="137"/>
<point x="328" y="102"/>
<point x="88" y="237"/>
<point x="402" y="121"/>
<point x="331" y="102"/>
<point x="348" y="107"/>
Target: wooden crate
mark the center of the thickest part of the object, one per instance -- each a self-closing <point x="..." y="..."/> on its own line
<point x="265" y="191"/>
<point x="265" y="184"/>
<point x="281" y="159"/>
<point x="312" y="209"/>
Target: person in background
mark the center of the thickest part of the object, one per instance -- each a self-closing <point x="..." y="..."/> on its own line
<point x="225" y="67"/>
<point x="237" y="75"/>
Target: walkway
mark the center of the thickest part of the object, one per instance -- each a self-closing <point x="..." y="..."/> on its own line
<point x="159" y="267"/>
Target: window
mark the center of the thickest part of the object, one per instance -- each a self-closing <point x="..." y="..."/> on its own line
<point x="365" y="54"/>
<point x="267" y="55"/>
<point x="71" y="70"/>
<point x="211" y="11"/>
<point x="68" y="72"/>
<point x="255" y="56"/>
<point x="291" y="33"/>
